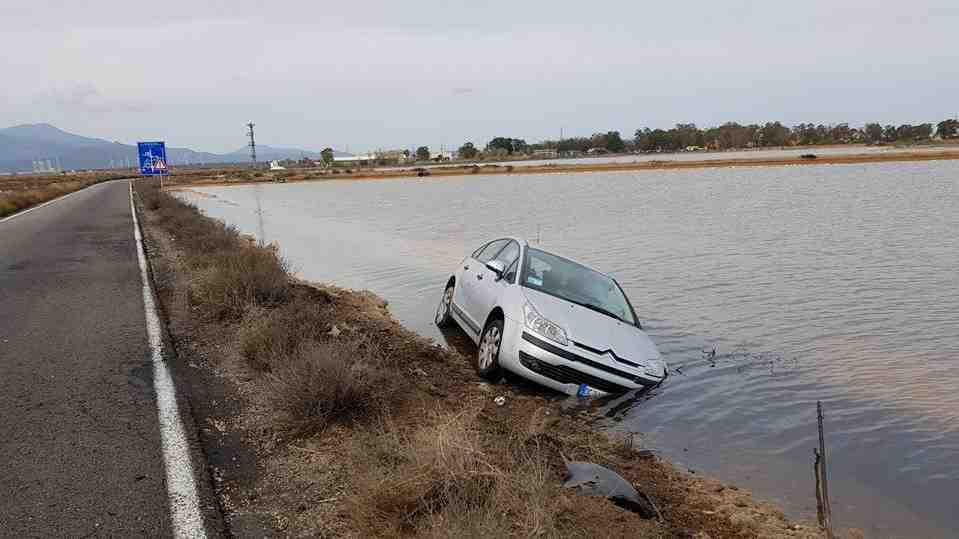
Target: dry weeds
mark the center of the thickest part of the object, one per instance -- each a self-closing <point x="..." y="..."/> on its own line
<point x="21" y="192"/>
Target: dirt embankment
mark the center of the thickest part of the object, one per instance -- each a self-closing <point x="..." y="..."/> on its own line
<point x="324" y="417"/>
<point x="239" y="177"/>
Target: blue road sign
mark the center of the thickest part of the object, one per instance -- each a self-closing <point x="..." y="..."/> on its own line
<point x="152" y="158"/>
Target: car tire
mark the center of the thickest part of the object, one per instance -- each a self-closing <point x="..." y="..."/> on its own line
<point x="443" y="317"/>
<point x="487" y="356"/>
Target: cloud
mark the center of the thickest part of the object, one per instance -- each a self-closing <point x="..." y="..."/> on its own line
<point x="407" y="73"/>
<point x="85" y="98"/>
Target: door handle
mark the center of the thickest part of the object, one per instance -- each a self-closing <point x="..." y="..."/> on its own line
<point x="466" y="267"/>
<point x="479" y="277"/>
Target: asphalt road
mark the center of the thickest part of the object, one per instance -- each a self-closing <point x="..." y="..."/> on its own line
<point x="80" y="449"/>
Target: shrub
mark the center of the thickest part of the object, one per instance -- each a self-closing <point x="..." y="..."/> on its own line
<point x="232" y="281"/>
<point x="446" y="479"/>
<point x="339" y="380"/>
<point x="270" y="338"/>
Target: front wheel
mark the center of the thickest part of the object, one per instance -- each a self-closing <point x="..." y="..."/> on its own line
<point x="443" y="318"/>
<point x="487" y="357"/>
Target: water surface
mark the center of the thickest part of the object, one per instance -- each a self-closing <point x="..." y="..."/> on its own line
<point x="833" y="282"/>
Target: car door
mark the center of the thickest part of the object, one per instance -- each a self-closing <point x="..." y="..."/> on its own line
<point x="488" y="288"/>
<point x="464" y="295"/>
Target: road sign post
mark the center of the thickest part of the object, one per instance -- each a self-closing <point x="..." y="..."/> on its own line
<point x="153" y="161"/>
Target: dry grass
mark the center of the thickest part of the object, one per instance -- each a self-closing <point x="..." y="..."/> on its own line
<point x="310" y="378"/>
<point x="448" y="478"/>
<point x="337" y="381"/>
<point x="228" y="283"/>
<point x="270" y="336"/>
<point x="230" y="276"/>
<point x="21" y="192"/>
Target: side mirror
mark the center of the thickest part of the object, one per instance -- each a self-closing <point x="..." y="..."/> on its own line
<point x="496" y="267"/>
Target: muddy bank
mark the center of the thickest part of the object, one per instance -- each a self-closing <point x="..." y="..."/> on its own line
<point x="235" y="177"/>
<point x="323" y="416"/>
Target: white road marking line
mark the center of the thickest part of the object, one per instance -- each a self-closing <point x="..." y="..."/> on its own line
<point x="59" y="198"/>
<point x="181" y="487"/>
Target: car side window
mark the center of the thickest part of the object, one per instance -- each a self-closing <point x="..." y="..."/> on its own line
<point x="490" y="251"/>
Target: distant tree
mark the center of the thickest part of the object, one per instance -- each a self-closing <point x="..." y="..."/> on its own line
<point x="732" y="135"/>
<point x="327" y="156"/>
<point x="913" y="133"/>
<point x="922" y="132"/>
<point x="510" y="145"/>
<point x="774" y="134"/>
<point x="889" y="133"/>
<point x="577" y="144"/>
<point x="686" y="135"/>
<point x="423" y="153"/>
<point x="519" y="145"/>
<point x="501" y="143"/>
<point x="948" y="129"/>
<point x="840" y="134"/>
<point x="873" y="133"/>
<point x="614" y="142"/>
<point x="467" y="151"/>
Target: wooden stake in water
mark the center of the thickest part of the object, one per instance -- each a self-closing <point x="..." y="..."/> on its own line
<point x="822" y="480"/>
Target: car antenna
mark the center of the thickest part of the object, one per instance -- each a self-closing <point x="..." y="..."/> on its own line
<point x="537" y="234"/>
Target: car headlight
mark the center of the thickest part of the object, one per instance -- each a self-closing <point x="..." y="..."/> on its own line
<point x="542" y="326"/>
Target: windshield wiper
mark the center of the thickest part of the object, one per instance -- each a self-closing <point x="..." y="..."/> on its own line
<point x="599" y="309"/>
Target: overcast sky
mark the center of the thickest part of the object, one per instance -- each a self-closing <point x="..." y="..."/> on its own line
<point x="377" y="74"/>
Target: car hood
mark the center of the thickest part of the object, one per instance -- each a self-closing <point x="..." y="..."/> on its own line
<point x="599" y="332"/>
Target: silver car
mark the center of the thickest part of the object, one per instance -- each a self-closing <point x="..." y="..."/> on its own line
<point x="549" y="319"/>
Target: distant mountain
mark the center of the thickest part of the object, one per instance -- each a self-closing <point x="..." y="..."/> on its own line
<point x="22" y="146"/>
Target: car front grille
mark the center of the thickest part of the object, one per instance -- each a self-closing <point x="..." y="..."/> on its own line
<point x="568" y="375"/>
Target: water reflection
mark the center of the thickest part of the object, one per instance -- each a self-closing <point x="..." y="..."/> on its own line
<point x="832" y="283"/>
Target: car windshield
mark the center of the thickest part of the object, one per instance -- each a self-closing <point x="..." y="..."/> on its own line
<point x="575" y="283"/>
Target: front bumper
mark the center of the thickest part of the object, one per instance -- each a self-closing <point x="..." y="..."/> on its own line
<point x="568" y="370"/>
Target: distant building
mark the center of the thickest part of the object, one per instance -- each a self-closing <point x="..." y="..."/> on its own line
<point x="275" y="165"/>
<point x="392" y="157"/>
<point x="545" y="154"/>
<point x="356" y="160"/>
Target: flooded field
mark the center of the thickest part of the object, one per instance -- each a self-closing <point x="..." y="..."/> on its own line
<point x="838" y="283"/>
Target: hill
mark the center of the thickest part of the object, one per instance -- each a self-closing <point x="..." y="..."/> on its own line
<point x="22" y="146"/>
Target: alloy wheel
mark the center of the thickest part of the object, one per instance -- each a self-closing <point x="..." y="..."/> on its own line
<point x="489" y="348"/>
<point x="443" y="309"/>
